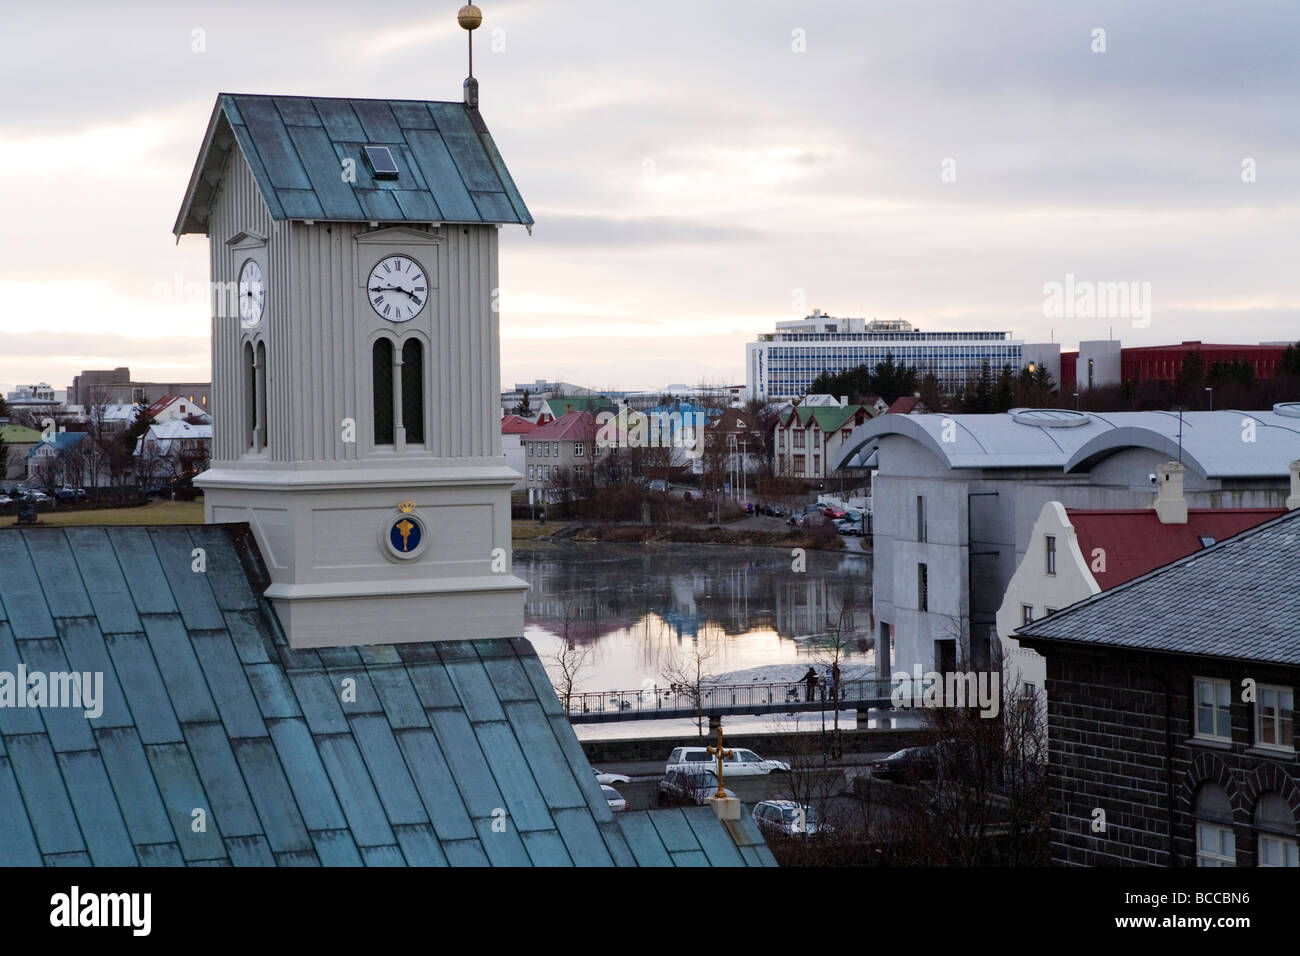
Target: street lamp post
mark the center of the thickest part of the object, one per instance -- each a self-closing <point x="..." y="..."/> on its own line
<point x="1076" y="401"/>
<point x="1211" y="391"/>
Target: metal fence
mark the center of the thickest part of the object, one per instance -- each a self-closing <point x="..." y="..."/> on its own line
<point x="674" y="700"/>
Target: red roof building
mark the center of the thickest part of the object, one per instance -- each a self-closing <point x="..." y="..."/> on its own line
<point x="514" y="425"/>
<point x="575" y="426"/>
<point x="1135" y="542"/>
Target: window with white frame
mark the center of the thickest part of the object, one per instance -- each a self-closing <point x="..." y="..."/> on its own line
<point x="1277" y="851"/>
<point x="1216" y="843"/>
<point x="1026" y="614"/>
<point x="530" y="472"/>
<point x="531" y="446"/>
<point x="1213" y="712"/>
<point x="579" y="473"/>
<point x="1050" y="553"/>
<point x="578" y="449"/>
<point x="1275" y="828"/>
<point x="1274" y="717"/>
<point x="555" y="449"/>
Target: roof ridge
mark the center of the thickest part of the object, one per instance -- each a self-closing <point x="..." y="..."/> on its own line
<point x="1230" y="542"/>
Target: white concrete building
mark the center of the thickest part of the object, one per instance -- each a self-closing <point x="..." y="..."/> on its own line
<point x="956" y="497"/>
<point x="781" y="365"/>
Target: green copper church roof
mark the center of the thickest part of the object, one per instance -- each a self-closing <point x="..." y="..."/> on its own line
<point x="298" y="148"/>
<point x="447" y="753"/>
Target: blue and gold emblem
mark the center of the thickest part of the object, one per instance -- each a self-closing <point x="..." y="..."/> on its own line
<point x="405" y="535"/>
<point x="403" y="532"/>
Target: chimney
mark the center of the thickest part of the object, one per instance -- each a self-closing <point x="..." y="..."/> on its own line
<point x="844" y="400"/>
<point x="1171" y="506"/>
<point x="1293" y="501"/>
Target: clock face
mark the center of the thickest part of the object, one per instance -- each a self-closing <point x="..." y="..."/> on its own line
<point x="397" y="289"/>
<point x="252" y="294"/>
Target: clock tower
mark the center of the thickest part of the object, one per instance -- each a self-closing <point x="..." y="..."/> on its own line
<point x="355" y="361"/>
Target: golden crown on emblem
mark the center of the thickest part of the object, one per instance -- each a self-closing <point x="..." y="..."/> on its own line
<point x="406" y="507"/>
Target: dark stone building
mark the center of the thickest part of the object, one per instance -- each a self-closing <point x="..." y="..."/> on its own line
<point x="1171" y="710"/>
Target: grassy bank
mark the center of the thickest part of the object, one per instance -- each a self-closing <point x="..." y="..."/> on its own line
<point x="694" y="534"/>
<point x="155" y="512"/>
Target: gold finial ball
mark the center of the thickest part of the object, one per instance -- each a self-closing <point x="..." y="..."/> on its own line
<point x="469" y="17"/>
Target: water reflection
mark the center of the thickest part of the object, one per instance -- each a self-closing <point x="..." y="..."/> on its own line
<point x="638" y="609"/>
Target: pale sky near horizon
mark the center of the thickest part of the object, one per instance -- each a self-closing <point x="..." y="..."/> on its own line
<point x="694" y="176"/>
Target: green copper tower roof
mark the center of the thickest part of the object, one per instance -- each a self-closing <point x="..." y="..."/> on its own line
<point x="448" y="753"/>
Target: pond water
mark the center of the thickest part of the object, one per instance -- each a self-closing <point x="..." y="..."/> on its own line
<point x="639" y="612"/>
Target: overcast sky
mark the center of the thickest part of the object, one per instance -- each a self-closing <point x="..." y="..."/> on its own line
<point x="697" y="171"/>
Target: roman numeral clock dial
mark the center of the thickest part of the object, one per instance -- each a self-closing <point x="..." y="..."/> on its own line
<point x="397" y="289"/>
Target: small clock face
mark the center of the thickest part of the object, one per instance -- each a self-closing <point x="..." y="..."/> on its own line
<point x="252" y="294"/>
<point x="397" y="289"/>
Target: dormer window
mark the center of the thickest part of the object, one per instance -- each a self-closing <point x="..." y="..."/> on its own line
<point x="381" y="162"/>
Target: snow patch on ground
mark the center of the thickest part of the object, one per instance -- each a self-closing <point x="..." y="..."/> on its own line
<point x="779" y="673"/>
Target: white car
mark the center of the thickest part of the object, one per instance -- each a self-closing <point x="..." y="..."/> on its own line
<point x="5" y="500"/>
<point x="614" y="798"/>
<point x="741" y="763"/>
<point x="787" y="817"/>
<point x="610" y="778"/>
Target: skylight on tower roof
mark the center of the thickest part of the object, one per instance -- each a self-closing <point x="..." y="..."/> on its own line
<point x="381" y="162"/>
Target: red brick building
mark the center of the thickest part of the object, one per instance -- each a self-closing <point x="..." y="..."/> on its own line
<point x="1163" y="362"/>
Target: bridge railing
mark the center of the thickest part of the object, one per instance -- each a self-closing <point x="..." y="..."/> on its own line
<point x="676" y="700"/>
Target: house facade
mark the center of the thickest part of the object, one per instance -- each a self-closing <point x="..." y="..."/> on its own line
<point x="1073" y="554"/>
<point x="559" y="457"/>
<point x="513" y="430"/>
<point x="1171" y="714"/>
<point x="808" y="437"/>
<point x="18" y="441"/>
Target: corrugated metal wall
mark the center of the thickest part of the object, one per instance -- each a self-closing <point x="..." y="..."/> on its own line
<point x="239" y="208"/>
<point x="318" y="328"/>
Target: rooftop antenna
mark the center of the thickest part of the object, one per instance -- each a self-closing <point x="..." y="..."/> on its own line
<point x="469" y="17"/>
<point x="1180" y="434"/>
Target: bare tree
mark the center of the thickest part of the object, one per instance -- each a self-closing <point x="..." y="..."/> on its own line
<point x="687" y="675"/>
<point x="567" y="662"/>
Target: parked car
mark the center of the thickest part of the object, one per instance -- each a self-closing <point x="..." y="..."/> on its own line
<point x="906" y="766"/>
<point x="786" y="816"/>
<point x="40" y="497"/>
<point x="5" y="500"/>
<point x="741" y="763"/>
<point x="67" y="493"/>
<point x="610" y="778"/>
<point x="614" y="798"/>
<point x="658" y="485"/>
<point x="684" y="787"/>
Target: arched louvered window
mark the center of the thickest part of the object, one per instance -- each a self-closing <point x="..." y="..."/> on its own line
<point x="263" y="439"/>
<point x="413" y="391"/>
<point x="383" y="391"/>
<point x="249" y="373"/>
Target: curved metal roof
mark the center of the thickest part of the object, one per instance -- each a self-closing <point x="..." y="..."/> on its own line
<point x="1221" y="444"/>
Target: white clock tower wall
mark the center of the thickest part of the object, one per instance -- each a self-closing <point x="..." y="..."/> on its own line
<point x="320" y="493"/>
<point x="239" y="211"/>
